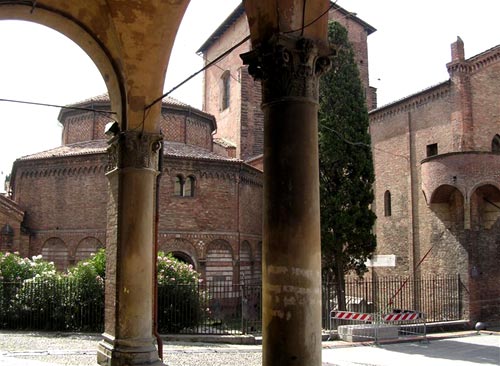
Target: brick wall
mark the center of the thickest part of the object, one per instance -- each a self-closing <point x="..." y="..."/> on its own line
<point x="11" y="217"/>
<point x="444" y="207"/>
<point x="242" y="123"/>
<point x="66" y="198"/>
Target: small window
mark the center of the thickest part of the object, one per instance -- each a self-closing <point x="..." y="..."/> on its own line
<point x="432" y="150"/>
<point x="387" y="204"/>
<point x="225" y="90"/>
<point x="179" y="186"/>
<point x="495" y="144"/>
<point x="189" y="187"/>
<point x="184" y="187"/>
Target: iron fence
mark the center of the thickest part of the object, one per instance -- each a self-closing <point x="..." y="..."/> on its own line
<point x="216" y="308"/>
<point x="438" y="297"/>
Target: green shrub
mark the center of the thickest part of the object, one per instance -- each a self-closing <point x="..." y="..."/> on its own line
<point x="14" y="270"/>
<point x="40" y="302"/>
<point x="179" y="298"/>
<point x="85" y="300"/>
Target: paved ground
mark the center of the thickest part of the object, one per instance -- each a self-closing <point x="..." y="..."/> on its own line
<point x="458" y="349"/>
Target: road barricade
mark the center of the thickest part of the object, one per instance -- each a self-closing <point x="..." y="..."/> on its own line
<point x="411" y="323"/>
<point x="351" y="326"/>
<point x="355" y="327"/>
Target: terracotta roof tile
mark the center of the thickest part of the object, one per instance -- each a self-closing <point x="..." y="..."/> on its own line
<point x="104" y="98"/>
<point x="79" y="148"/>
<point x="180" y="150"/>
<point x="172" y="149"/>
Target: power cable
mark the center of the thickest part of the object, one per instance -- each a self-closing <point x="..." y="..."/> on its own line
<point x="217" y="59"/>
<point x="332" y="4"/>
<point x="106" y="113"/>
<point x="220" y="68"/>
<point x="225" y="53"/>
<point x="339" y="135"/>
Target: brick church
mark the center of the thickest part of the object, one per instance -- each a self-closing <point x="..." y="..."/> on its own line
<point x="436" y="157"/>
<point x="208" y="214"/>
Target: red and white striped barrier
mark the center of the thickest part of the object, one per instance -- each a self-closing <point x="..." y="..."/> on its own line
<point x="349" y="315"/>
<point x="396" y="317"/>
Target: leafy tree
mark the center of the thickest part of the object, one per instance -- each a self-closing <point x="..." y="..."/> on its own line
<point x="346" y="168"/>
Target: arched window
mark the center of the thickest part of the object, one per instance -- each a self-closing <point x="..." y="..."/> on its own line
<point x="225" y="89"/>
<point x="184" y="187"/>
<point x="179" y="186"/>
<point x="189" y="187"/>
<point x="495" y="144"/>
<point x="387" y="204"/>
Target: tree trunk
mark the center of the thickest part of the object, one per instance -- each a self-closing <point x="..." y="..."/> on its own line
<point x="340" y="282"/>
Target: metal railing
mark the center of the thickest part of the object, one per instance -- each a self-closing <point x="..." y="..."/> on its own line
<point x="438" y="297"/>
<point x="216" y="308"/>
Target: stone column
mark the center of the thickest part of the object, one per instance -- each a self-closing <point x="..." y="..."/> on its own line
<point x="289" y="69"/>
<point x="128" y="334"/>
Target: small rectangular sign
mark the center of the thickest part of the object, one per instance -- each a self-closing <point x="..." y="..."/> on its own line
<point x="388" y="260"/>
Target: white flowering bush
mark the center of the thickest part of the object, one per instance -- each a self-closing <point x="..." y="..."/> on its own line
<point x="40" y="301"/>
<point x="14" y="270"/>
<point x="85" y="300"/>
<point x="179" y="296"/>
<point x="172" y="271"/>
<point x="34" y="295"/>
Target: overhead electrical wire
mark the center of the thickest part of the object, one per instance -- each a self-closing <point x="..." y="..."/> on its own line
<point x="224" y="54"/>
<point x="208" y="65"/>
<point x="99" y="111"/>
<point x="354" y="143"/>
<point x="217" y="59"/>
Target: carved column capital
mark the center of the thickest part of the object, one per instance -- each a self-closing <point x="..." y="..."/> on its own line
<point x="288" y="67"/>
<point x="135" y="149"/>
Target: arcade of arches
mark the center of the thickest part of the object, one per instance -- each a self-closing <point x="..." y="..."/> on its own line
<point x="118" y="36"/>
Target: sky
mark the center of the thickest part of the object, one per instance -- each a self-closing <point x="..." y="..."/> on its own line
<point x="407" y="53"/>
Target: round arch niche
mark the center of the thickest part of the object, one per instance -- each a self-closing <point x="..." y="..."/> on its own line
<point x="485" y="206"/>
<point x="447" y="202"/>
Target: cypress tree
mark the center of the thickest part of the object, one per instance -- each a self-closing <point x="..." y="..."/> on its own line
<point x="346" y="168"/>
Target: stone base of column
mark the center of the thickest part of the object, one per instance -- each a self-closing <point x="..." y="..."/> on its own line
<point x="129" y="352"/>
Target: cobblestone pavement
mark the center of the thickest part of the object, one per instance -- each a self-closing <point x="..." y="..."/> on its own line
<point x="457" y="349"/>
<point x="80" y="350"/>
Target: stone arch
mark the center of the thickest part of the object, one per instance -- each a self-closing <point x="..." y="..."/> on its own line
<point x="56" y="19"/>
<point x="55" y="250"/>
<point x="447" y="202"/>
<point x="183" y="257"/>
<point x="484" y="206"/>
<point x="86" y="247"/>
<point x="246" y="262"/>
<point x="219" y="262"/>
<point x="181" y="249"/>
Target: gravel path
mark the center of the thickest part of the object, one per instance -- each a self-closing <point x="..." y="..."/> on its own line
<point x="80" y="350"/>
